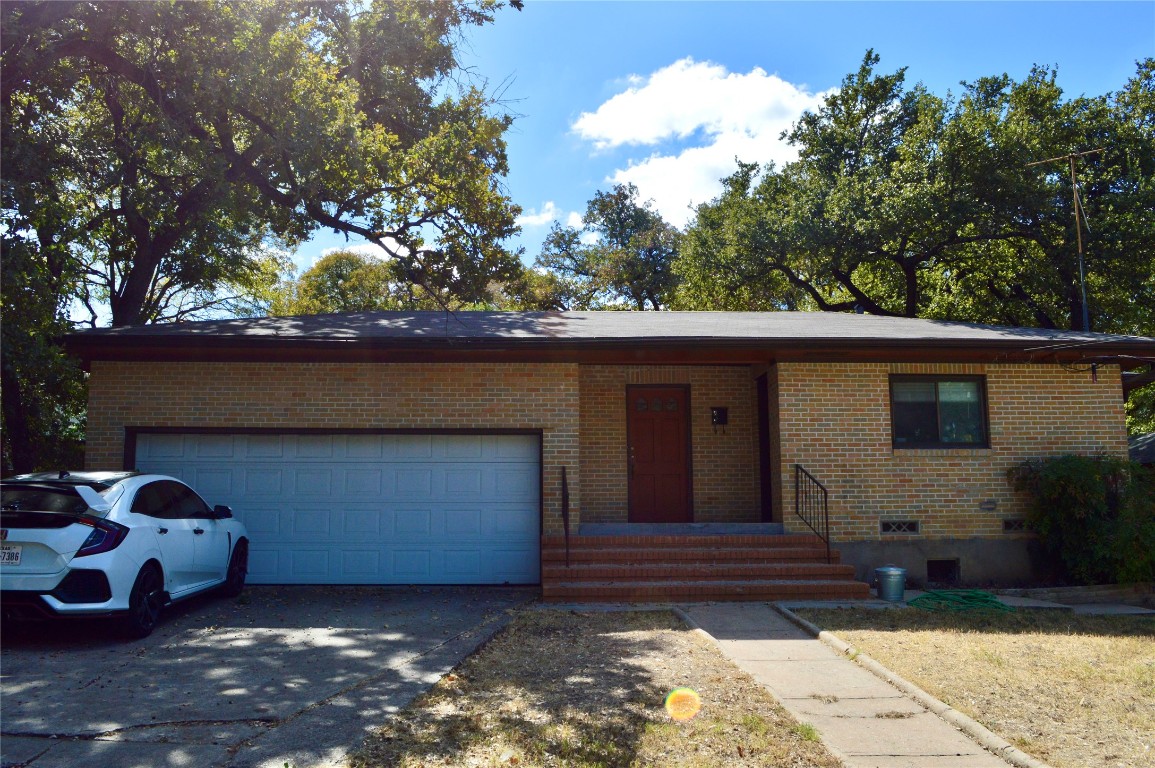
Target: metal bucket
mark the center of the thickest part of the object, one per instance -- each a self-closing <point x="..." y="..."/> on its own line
<point x="891" y="583"/>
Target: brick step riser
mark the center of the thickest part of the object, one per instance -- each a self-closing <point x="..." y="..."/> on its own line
<point x="680" y="542"/>
<point x="649" y="556"/>
<point x="700" y="592"/>
<point x="695" y="573"/>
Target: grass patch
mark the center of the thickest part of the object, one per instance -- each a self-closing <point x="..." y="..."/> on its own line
<point x="1075" y="691"/>
<point x="807" y="732"/>
<point x="561" y="688"/>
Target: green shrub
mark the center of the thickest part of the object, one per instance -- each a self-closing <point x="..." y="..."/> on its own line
<point x="1095" y="514"/>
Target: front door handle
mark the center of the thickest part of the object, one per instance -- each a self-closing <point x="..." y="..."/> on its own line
<point x="162" y="531"/>
<point x="198" y="531"/>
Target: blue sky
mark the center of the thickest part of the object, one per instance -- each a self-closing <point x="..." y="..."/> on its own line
<point x="665" y="94"/>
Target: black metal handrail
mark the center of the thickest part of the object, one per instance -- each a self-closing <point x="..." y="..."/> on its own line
<point x="811" y="503"/>
<point x="565" y="512"/>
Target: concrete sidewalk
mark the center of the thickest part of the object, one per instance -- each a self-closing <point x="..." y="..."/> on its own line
<point x="865" y="720"/>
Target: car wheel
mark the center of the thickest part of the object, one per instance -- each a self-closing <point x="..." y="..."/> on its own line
<point x="144" y="603"/>
<point x="238" y="569"/>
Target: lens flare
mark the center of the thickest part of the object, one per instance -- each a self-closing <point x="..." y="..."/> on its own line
<point x="683" y="703"/>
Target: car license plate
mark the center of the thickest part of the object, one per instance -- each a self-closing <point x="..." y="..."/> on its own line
<point x="10" y="554"/>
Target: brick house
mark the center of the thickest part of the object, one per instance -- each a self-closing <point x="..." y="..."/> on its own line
<point x="432" y="447"/>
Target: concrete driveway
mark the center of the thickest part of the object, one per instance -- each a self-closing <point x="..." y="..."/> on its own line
<point x="293" y="675"/>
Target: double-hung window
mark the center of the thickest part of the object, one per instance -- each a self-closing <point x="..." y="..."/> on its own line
<point x="938" y="411"/>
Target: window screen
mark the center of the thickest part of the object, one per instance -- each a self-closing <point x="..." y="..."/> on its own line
<point x="938" y="412"/>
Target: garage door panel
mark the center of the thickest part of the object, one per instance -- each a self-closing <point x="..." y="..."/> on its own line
<point x="263" y="447"/>
<point x="313" y="482"/>
<point x="510" y="521"/>
<point x="510" y="565"/>
<point x="361" y="564"/>
<point x="410" y="446"/>
<point x="213" y="483"/>
<point x="411" y="564"/>
<point x="413" y="483"/>
<point x="314" y="446"/>
<point x="263" y="524"/>
<point x="309" y="564"/>
<point x="263" y="481"/>
<point x="164" y="446"/>
<point x="463" y="522"/>
<point x="360" y="447"/>
<point x="363" y="482"/>
<point x="211" y="447"/>
<point x="263" y="564"/>
<point x="463" y="564"/>
<point x="413" y="522"/>
<point x="370" y="509"/>
<point x="312" y="523"/>
<point x="513" y="483"/>
<point x="464" y="447"/>
<point x="514" y="447"/>
<point x="463" y="482"/>
<point x="367" y="523"/>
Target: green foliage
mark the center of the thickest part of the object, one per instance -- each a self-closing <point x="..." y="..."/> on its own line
<point x="905" y="203"/>
<point x="169" y="141"/>
<point x="1141" y="411"/>
<point x="348" y="281"/>
<point x="154" y="152"/>
<point x="43" y="391"/>
<point x="622" y="258"/>
<point x="1096" y="515"/>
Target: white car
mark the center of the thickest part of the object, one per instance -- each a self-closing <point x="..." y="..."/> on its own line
<point x="112" y="543"/>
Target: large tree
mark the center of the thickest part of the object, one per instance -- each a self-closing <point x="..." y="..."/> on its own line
<point x="152" y="149"/>
<point x="622" y="257"/>
<point x="902" y="203"/>
<point x="350" y="281"/>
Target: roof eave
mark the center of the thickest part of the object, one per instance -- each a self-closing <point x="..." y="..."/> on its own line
<point x="650" y="350"/>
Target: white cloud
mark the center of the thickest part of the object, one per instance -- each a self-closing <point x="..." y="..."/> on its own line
<point x="548" y="214"/>
<point x="721" y="114"/>
<point x="533" y="218"/>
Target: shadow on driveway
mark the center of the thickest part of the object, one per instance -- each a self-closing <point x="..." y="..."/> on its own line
<point x="282" y="674"/>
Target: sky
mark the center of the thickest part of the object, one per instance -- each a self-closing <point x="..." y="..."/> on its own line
<point x="667" y="94"/>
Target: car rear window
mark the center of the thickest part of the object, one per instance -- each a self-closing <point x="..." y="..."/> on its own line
<point x="38" y="498"/>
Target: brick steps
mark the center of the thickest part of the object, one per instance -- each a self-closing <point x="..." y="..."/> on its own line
<point x="693" y="591"/>
<point x="695" y="571"/>
<point x="681" y="542"/>
<point x="658" y="568"/>
<point x="689" y="555"/>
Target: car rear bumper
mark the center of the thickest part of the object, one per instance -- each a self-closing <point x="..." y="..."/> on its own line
<point x="80" y="593"/>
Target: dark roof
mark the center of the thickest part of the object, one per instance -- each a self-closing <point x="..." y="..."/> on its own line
<point x="1143" y="448"/>
<point x="572" y="330"/>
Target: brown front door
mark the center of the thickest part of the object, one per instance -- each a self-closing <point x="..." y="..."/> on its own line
<point x="658" y="433"/>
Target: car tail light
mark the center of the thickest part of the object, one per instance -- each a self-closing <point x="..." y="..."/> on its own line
<point x="105" y="536"/>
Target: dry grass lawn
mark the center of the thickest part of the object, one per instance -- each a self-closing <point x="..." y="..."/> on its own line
<point x="1074" y="691"/>
<point x="563" y="688"/>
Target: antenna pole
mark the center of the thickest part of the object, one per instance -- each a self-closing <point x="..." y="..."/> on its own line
<point x="1079" y="238"/>
<point x="1070" y="158"/>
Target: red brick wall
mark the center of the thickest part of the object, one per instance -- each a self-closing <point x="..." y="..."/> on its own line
<point x="835" y="421"/>
<point x="342" y="396"/>
<point x="724" y="465"/>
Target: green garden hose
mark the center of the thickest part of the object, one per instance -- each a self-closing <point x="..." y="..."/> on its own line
<point x="959" y="600"/>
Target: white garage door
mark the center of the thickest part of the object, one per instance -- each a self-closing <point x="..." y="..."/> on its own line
<point x="369" y="509"/>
